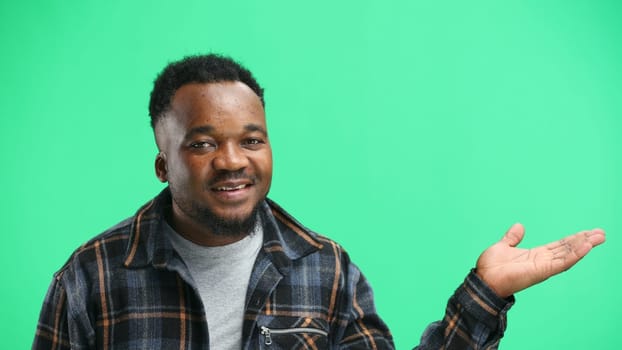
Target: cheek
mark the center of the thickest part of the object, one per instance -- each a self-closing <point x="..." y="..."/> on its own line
<point x="197" y="172"/>
<point x="189" y="170"/>
<point x="265" y="167"/>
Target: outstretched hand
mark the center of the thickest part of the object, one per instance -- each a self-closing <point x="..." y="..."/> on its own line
<point x="508" y="269"/>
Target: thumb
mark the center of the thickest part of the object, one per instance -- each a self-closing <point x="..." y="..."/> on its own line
<point x="514" y="235"/>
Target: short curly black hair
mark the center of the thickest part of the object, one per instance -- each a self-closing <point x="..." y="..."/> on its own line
<point x="211" y="68"/>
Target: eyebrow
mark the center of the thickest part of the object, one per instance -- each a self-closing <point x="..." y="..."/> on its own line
<point x="208" y="129"/>
<point x="255" y="127"/>
<point x="199" y="130"/>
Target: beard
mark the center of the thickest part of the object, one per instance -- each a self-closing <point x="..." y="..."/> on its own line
<point x="218" y="225"/>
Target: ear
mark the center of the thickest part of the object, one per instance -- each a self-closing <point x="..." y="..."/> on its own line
<point x="161" y="167"/>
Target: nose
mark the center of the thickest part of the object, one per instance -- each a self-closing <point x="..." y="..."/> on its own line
<point x="229" y="157"/>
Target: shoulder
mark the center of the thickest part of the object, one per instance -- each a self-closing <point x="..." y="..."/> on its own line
<point x="305" y="247"/>
<point x="297" y="239"/>
<point x="107" y="247"/>
<point x="108" y="250"/>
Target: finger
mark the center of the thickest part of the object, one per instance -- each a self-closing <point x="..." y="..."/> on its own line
<point x="596" y="237"/>
<point x="570" y="251"/>
<point x="575" y="247"/>
<point x="514" y="235"/>
<point x="591" y="238"/>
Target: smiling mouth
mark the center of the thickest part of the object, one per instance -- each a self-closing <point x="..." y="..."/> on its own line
<point x="231" y="188"/>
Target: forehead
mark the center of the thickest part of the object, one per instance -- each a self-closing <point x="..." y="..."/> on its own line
<point x="200" y="103"/>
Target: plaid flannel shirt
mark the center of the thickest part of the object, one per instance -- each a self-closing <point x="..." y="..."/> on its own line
<point x="128" y="289"/>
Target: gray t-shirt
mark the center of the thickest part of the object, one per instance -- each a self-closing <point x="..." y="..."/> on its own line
<point x="221" y="275"/>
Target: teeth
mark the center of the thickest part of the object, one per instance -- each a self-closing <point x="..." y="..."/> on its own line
<point x="239" y="187"/>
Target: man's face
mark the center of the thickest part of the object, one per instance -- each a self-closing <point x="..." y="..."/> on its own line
<point x="215" y="155"/>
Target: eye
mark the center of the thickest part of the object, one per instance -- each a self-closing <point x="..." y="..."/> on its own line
<point x="201" y="145"/>
<point x="253" y="142"/>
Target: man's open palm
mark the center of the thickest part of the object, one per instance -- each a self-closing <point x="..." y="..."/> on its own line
<point x="508" y="269"/>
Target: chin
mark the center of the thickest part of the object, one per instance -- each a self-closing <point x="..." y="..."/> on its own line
<point x="241" y="217"/>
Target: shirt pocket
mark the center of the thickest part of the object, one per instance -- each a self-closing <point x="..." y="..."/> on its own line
<point x="296" y="335"/>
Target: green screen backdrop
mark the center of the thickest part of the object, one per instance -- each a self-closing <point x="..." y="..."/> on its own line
<point x="412" y="132"/>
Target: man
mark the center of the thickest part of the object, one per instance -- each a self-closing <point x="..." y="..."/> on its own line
<point x="212" y="263"/>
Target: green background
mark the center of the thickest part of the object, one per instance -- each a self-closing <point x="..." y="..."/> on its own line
<point x="414" y="133"/>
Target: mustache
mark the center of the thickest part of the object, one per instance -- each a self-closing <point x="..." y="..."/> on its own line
<point x="225" y="175"/>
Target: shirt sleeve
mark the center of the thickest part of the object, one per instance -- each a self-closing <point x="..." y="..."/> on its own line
<point x="59" y="327"/>
<point x="475" y="318"/>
